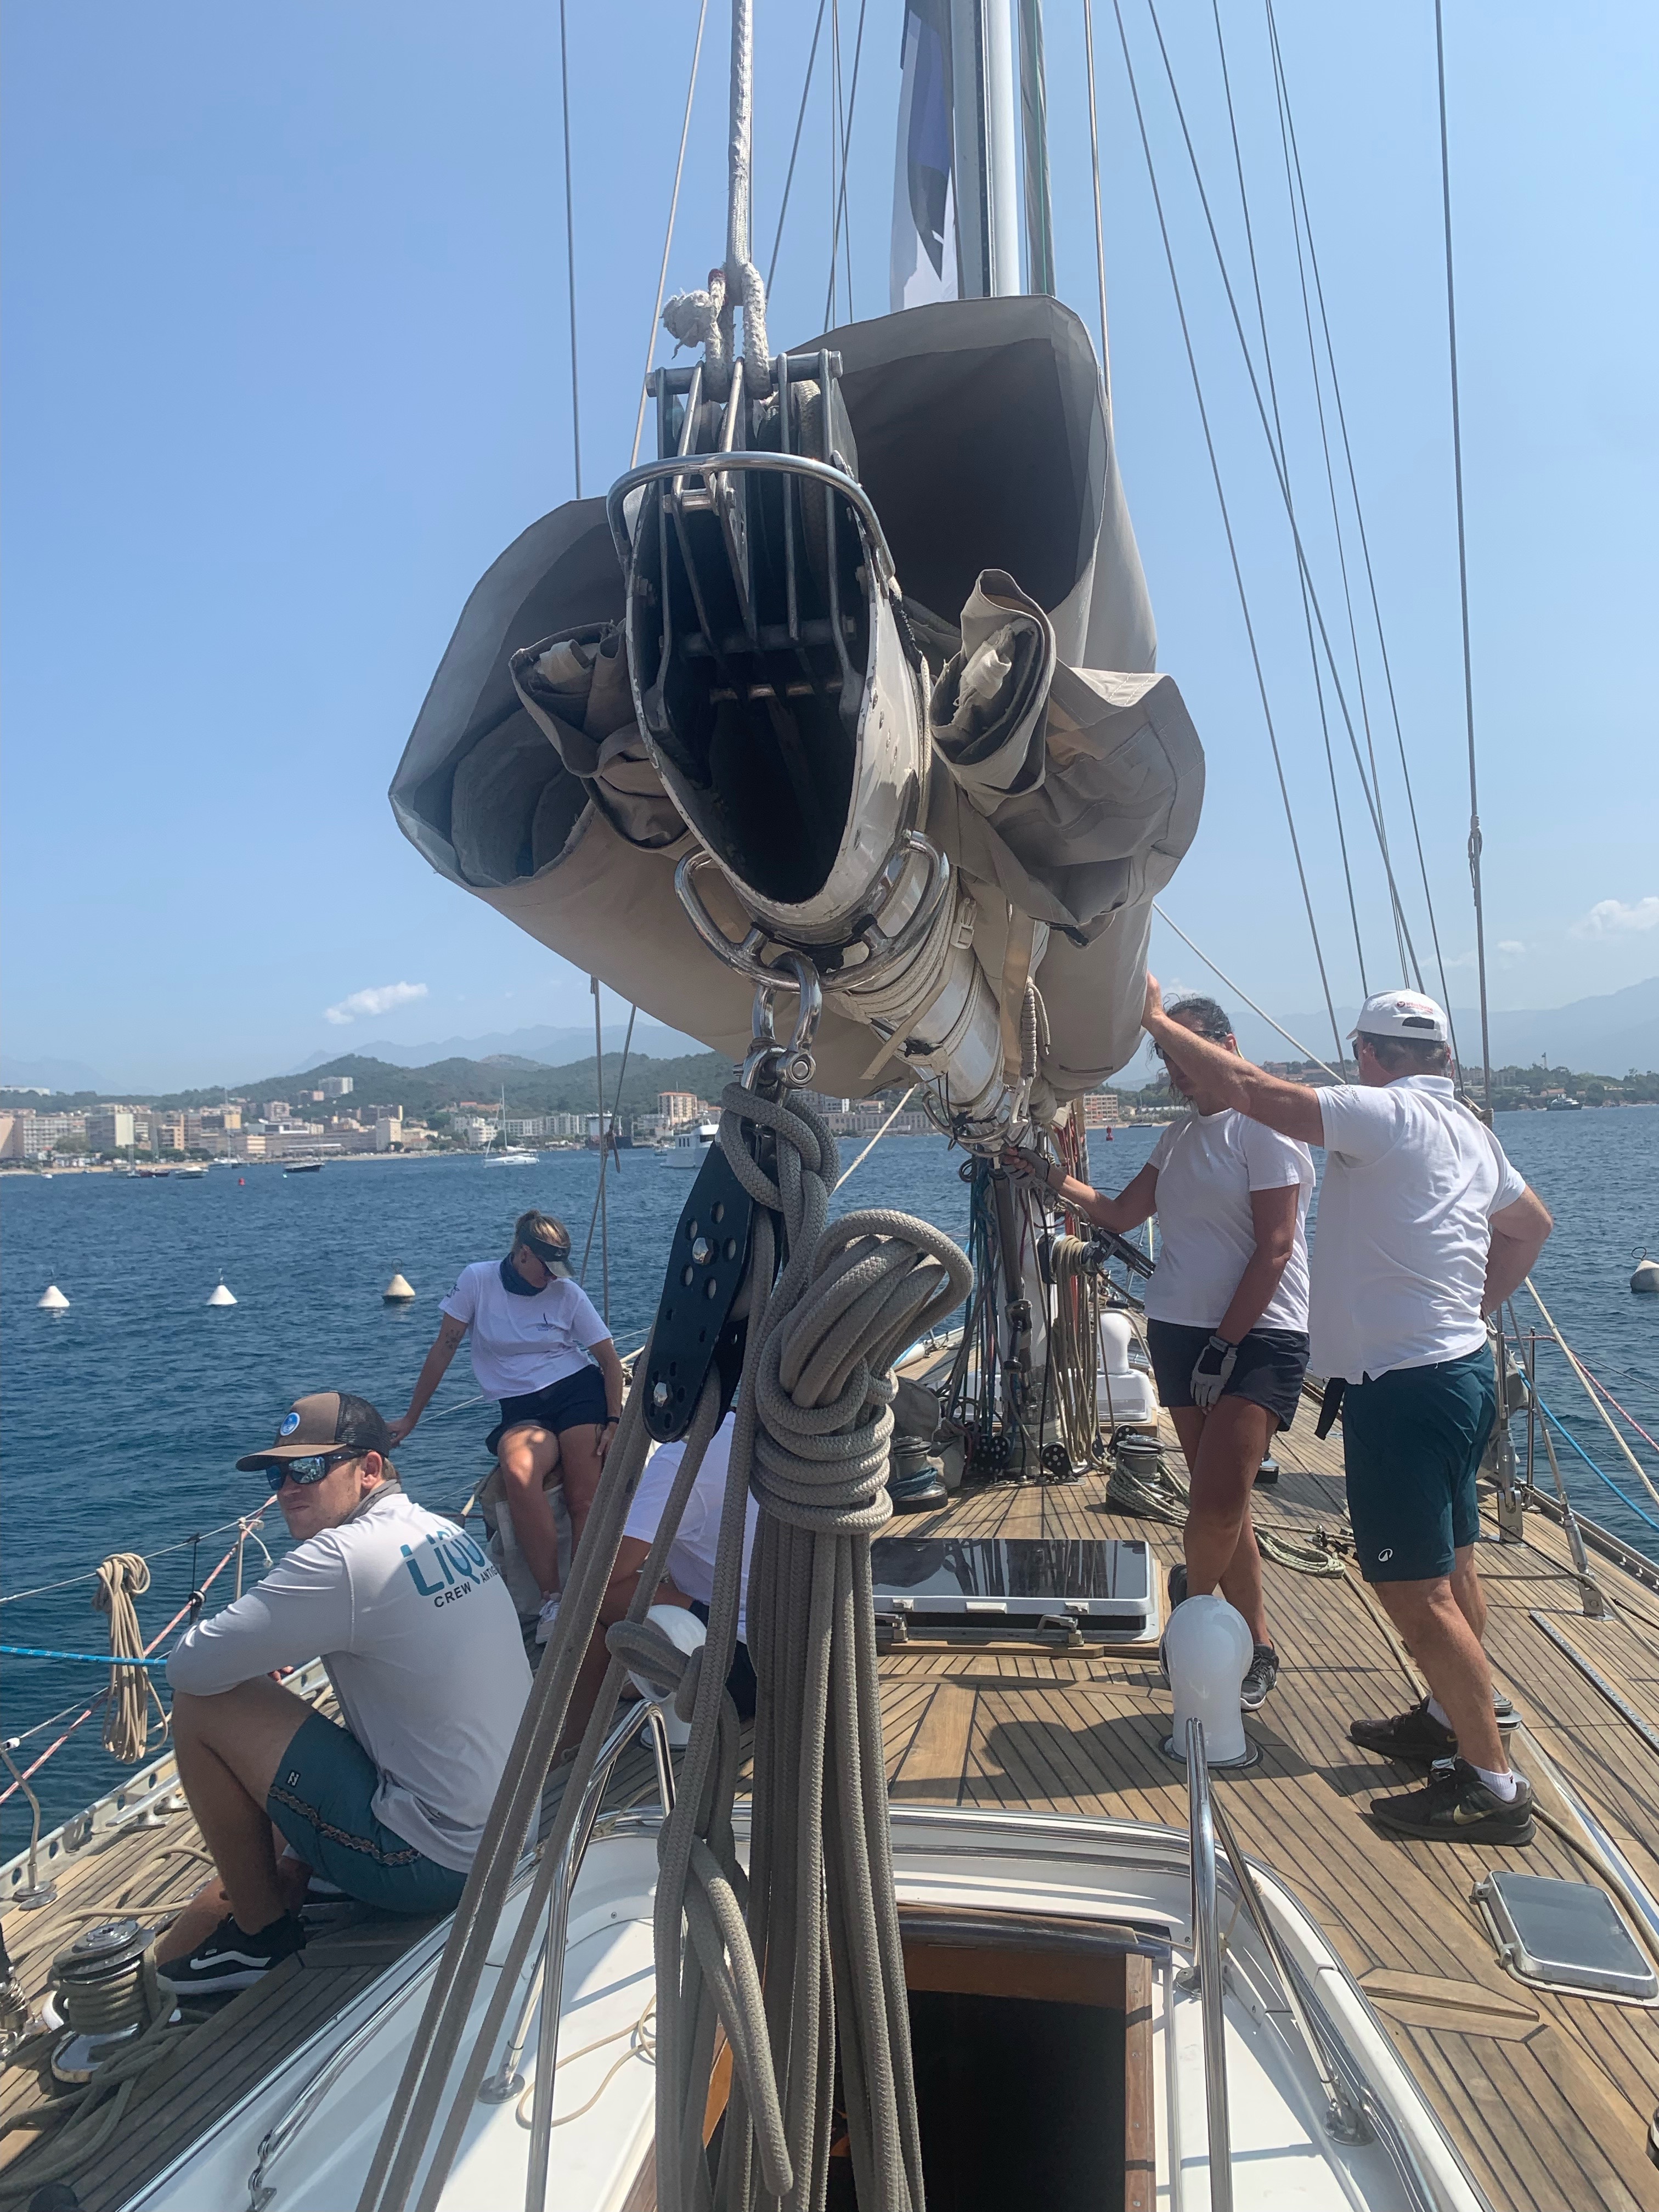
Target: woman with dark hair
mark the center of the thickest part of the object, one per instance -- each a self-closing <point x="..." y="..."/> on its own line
<point x="541" y="1349"/>
<point x="1226" y="1318"/>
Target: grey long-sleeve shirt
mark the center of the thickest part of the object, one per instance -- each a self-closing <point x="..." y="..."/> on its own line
<point x="422" y="1644"/>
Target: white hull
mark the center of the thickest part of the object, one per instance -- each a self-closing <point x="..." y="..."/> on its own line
<point x="1101" y="1874"/>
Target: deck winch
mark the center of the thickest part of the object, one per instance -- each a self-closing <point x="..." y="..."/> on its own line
<point x="106" y="1991"/>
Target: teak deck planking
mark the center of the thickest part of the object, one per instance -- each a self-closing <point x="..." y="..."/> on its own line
<point x="1546" y="2098"/>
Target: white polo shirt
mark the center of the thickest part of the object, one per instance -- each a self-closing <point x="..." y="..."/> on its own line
<point x="691" y="1554"/>
<point x="1412" y="1181"/>
<point x="1207" y="1166"/>
<point x="522" y="1345"/>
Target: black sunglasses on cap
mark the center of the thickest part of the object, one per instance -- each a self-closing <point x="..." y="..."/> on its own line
<point x="305" y="1472"/>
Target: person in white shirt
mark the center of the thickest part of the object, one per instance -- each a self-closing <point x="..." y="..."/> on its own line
<point x="1226" y="1320"/>
<point x="689" y="1575"/>
<point x="424" y="1649"/>
<point x="540" y="1348"/>
<point x="1424" y="1230"/>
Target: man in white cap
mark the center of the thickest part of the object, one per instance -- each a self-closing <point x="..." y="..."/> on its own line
<point x="1423" y="1229"/>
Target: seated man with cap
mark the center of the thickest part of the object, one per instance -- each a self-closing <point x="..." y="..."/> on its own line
<point x="423" y="1647"/>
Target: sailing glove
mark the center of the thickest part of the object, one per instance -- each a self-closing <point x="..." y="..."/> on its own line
<point x="1215" y="1364"/>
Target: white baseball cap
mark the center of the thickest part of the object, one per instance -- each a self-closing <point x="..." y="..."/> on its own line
<point x="1402" y="1014"/>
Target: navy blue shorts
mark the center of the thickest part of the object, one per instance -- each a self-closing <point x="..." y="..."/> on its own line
<point x="321" y="1798"/>
<point x="1411" y="1441"/>
<point x="567" y="1404"/>
<point x="1267" y="1370"/>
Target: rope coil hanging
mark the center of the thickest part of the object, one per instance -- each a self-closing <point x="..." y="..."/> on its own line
<point x="122" y="1577"/>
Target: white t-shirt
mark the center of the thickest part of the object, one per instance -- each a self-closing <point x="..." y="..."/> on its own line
<point x="521" y="1344"/>
<point x="1400" y="1253"/>
<point x="1207" y="1166"/>
<point x="422" y="1644"/>
<point x="691" y="1554"/>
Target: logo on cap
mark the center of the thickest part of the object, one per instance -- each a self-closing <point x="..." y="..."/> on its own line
<point x="290" y="1422"/>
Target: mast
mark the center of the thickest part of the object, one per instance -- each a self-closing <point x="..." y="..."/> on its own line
<point x="984" y="81"/>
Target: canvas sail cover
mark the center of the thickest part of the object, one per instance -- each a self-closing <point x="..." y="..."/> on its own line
<point x="983" y="441"/>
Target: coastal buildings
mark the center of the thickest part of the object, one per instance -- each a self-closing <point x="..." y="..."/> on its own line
<point x="336" y="1086"/>
<point x="1100" y="1109"/>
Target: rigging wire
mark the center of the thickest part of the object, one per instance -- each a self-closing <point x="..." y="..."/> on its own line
<point x="1100" y="221"/>
<point x="1227" y="526"/>
<point x="1261" y="412"/>
<point x="1244" y="995"/>
<point x="668" y="239"/>
<point x="1287" y="128"/>
<point x="570" y="249"/>
<point x="1462" y="567"/>
<point x="1408" y="965"/>
<point x="1285" y="466"/>
<point x="800" y="118"/>
<point x="846" y="154"/>
<point x="835" y="146"/>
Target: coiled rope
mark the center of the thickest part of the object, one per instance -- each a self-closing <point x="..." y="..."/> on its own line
<point x="123" y="1576"/>
<point x="1164" y="1495"/>
<point x="86" y="2120"/>
<point x="1074" y="1349"/>
<point x="811" y="1438"/>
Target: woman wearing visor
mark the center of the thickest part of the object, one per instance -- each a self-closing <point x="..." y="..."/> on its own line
<point x="533" y="1330"/>
<point x="1226" y="1318"/>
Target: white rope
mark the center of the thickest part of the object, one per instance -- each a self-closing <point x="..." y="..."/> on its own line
<point x="668" y="239"/>
<point x="123" y="1576"/>
<point x="877" y="1138"/>
<point x="1248" y="1000"/>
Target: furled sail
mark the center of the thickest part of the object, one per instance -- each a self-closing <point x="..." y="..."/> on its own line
<point x="879" y="691"/>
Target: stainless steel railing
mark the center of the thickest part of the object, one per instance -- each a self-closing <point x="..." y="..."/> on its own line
<point x="1204" y="1973"/>
<point x="546" y="1985"/>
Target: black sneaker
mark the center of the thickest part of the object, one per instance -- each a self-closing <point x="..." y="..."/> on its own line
<point x="230" y="1959"/>
<point x="1176" y="1585"/>
<point x="1264" y="1672"/>
<point x="1455" y="1806"/>
<point x="1415" y="1735"/>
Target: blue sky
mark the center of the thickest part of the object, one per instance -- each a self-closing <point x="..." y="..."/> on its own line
<point x="286" y="365"/>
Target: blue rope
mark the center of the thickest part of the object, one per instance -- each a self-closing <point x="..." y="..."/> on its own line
<point x="79" y="1658"/>
<point x="1593" y="1467"/>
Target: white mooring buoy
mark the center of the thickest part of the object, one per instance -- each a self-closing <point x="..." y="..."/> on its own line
<point x="1646" y="1277"/>
<point x="398" y="1291"/>
<point x="220" y="1296"/>
<point x="54" y="1300"/>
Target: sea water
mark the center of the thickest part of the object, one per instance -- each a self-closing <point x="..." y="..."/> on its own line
<point x="122" y="1418"/>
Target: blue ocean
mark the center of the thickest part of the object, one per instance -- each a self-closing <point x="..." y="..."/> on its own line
<point x="123" y="1417"/>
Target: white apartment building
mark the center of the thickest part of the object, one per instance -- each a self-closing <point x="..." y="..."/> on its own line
<point x="111" y="1129"/>
<point x="1100" y="1108"/>
<point x="336" y="1086"/>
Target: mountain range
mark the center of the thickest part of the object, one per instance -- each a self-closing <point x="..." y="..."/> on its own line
<point x="1604" y="1036"/>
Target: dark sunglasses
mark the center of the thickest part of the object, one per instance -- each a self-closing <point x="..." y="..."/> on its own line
<point x="305" y="1472"/>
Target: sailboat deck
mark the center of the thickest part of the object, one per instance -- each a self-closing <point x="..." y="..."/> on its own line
<point x="1548" y="2099"/>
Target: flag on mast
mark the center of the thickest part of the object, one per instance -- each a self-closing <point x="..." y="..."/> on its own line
<point x="924" y="257"/>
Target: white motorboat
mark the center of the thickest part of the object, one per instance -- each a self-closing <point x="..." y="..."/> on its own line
<point x="691" y="1146"/>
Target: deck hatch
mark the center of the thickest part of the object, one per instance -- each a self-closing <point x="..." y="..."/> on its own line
<point x="1564" y="1934"/>
<point x="1107" y="1581"/>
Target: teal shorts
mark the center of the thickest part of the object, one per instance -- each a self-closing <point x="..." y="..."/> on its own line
<point x="1412" y="1442"/>
<point x="322" y="1798"/>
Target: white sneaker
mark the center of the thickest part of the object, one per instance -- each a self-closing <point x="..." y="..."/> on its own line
<point x="548" y="1620"/>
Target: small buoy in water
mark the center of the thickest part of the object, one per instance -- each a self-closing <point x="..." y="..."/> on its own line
<point x="398" y="1292"/>
<point x="220" y="1296"/>
<point x="54" y="1300"/>
<point x="1646" y="1277"/>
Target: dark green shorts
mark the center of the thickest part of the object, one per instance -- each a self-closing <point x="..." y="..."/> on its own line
<point x="322" y="1798"/>
<point x="1411" y="1441"/>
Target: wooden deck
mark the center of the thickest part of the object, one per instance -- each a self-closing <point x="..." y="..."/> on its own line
<point x="1548" y="2099"/>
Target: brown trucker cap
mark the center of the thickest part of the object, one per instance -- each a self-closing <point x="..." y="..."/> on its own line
<point x="326" y="1420"/>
